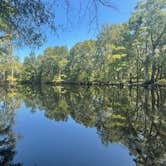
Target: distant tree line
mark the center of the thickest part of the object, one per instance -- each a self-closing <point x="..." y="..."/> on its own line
<point x="134" y="51"/>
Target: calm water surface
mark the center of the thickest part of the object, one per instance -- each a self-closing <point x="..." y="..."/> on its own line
<point x="82" y="126"/>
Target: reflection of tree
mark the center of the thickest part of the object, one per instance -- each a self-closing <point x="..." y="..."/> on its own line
<point x="135" y="118"/>
<point x="9" y="102"/>
<point x="139" y="125"/>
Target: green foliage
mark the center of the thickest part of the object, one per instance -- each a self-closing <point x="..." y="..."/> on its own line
<point x="81" y="61"/>
<point x="10" y="67"/>
<point x="148" y="25"/>
<point x="134" y="51"/>
<point x="30" y="67"/>
<point x="23" y="20"/>
<point x="53" y="63"/>
<point x="46" y="68"/>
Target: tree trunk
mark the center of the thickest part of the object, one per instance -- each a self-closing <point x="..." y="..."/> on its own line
<point x="12" y="73"/>
<point x="153" y="73"/>
<point x="146" y="73"/>
<point x="147" y="64"/>
<point x="4" y="76"/>
<point x="158" y="72"/>
<point x="130" y="81"/>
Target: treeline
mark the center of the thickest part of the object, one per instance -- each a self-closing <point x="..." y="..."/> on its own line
<point x="134" y="51"/>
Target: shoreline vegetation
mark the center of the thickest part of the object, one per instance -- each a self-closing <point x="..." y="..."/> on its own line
<point x="97" y="83"/>
<point x="121" y="84"/>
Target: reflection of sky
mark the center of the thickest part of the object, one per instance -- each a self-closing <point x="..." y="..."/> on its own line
<point x="47" y="142"/>
<point x="1" y="105"/>
<point x="79" y="31"/>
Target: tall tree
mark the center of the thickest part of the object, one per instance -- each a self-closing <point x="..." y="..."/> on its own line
<point x="81" y="63"/>
<point x="53" y="63"/>
<point x="149" y="26"/>
<point x="30" y="69"/>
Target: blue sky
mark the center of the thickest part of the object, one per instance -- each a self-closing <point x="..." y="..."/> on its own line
<point x="79" y="28"/>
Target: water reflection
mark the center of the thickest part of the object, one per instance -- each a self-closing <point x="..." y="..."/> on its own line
<point x="133" y="117"/>
<point x="9" y="102"/>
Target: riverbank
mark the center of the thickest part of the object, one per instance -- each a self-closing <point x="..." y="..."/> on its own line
<point x="120" y="84"/>
<point x="99" y="83"/>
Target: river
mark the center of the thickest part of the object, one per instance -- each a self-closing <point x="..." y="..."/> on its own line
<point x="82" y="126"/>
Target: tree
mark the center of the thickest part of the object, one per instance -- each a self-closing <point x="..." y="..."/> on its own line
<point x="52" y="64"/>
<point x="81" y="61"/>
<point x="111" y="52"/>
<point x="149" y="26"/>
<point x="128" y="52"/>
<point x="30" y="69"/>
<point x="24" y="19"/>
<point x="10" y="66"/>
